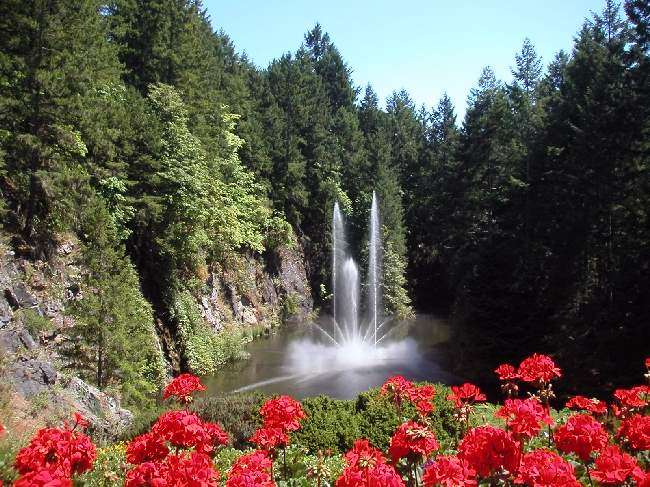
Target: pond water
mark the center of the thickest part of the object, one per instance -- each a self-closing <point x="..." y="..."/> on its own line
<point x="301" y="362"/>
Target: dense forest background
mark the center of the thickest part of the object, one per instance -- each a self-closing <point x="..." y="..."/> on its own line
<point x="134" y="126"/>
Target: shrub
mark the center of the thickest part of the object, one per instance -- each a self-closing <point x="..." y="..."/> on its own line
<point x="237" y="413"/>
<point x="330" y="424"/>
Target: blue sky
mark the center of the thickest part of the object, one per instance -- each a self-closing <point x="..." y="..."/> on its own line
<point x="426" y="47"/>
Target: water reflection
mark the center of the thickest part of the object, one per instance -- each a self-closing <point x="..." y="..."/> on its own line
<point x="298" y="362"/>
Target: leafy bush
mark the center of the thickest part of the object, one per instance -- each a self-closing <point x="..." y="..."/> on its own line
<point x="237" y="413"/>
<point x="330" y="424"/>
<point x="205" y="350"/>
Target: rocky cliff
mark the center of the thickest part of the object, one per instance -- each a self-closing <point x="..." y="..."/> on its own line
<point x="39" y="384"/>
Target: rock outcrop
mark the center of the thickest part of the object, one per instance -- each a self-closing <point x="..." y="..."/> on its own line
<point x="34" y="390"/>
<point x="258" y="290"/>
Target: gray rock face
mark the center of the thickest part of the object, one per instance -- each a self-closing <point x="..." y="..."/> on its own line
<point x="19" y="297"/>
<point x="256" y="293"/>
<point x="28" y="365"/>
<point x="14" y="339"/>
<point x="103" y="411"/>
<point x="30" y="377"/>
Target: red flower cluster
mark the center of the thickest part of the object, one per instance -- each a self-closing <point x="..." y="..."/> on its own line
<point x="630" y="400"/>
<point x="366" y="467"/>
<point x="146" y="448"/>
<point x="539" y="369"/>
<point x="581" y="435"/>
<point x="465" y="394"/>
<point x="184" y="469"/>
<point x="544" y="468"/>
<point x="269" y="439"/>
<point x="401" y="390"/>
<point x="489" y="450"/>
<point x="414" y="440"/>
<point x="613" y="467"/>
<point x="397" y="388"/>
<point x="182" y="388"/>
<point x="449" y="471"/>
<point x="635" y="431"/>
<point x="55" y="454"/>
<point x="524" y="417"/>
<point x="44" y="478"/>
<point x="282" y="415"/>
<point x="422" y="398"/>
<point x="186" y="430"/>
<point x="582" y="403"/>
<point x="251" y="470"/>
<point x="506" y="373"/>
<point x="156" y="467"/>
<point x="282" y="412"/>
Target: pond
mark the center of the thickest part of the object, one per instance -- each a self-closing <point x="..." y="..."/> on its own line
<point x="300" y="362"/>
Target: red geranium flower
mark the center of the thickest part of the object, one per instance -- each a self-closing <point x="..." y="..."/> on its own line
<point x="146" y="448"/>
<point x="56" y="449"/>
<point x="449" y="471"/>
<point x="251" y="470"/>
<point x="538" y="368"/>
<point x="398" y="389"/>
<point x="282" y="412"/>
<point x="80" y="421"/>
<point x="636" y="432"/>
<point x="363" y="455"/>
<point x="182" y="388"/>
<point x="269" y="438"/>
<point x="642" y="479"/>
<point x="634" y="398"/>
<point x="581" y="435"/>
<point x="524" y="417"/>
<point x="465" y="394"/>
<point x="186" y="430"/>
<point x="366" y="467"/>
<point x="147" y="474"/>
<point x="544" y="468"/>
<point x="613" y="467"/>
<point x="412" y="439"/>
<point x="195" y="469"/>
<point x="506" y="372"/>
<point x="583" y="403"/>
<point x="488" y="450"/>
<point x="422" y="398"/>
<point x="44" y="478"/>
<point x="647" y="363"/>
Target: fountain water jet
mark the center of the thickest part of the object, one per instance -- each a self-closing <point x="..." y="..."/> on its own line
<point x="349" y="330"/>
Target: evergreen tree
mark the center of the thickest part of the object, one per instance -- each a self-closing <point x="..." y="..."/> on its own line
<point x="115" y="340"/>
<point x="55" y="56"/>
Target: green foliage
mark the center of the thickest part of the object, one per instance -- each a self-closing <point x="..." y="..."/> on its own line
<point x="205" y="349"/>
<point x="331" y="424"/>
<point x="34" y="322"/>
<point x="237" y="413"/>
<point x="395" y="296"/>
<point x="9" y="447"/>
<point x="116" y="343"/>
<point x="109" y="468"/>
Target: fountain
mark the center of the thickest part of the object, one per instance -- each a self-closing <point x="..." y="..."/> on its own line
<point x="346" y="312"/>
<point x="357" y="346"/>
